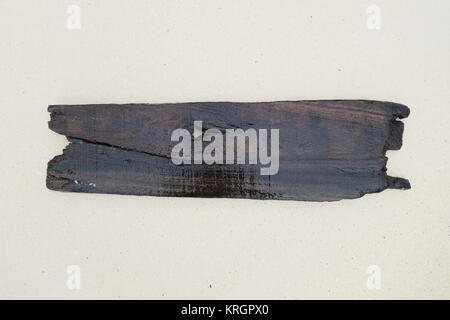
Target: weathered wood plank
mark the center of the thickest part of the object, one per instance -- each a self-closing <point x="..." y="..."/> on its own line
<point x="328" y="150"/>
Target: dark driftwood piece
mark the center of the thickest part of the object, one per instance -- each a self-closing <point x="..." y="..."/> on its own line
<point x="329" y="150"/>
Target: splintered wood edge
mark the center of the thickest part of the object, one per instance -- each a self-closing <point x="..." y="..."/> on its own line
<point x="395" y="142"/>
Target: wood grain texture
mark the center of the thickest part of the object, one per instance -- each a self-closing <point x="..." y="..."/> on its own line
<point x="328" y="149"/>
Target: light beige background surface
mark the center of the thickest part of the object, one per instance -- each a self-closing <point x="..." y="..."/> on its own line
<point x="174" y="51"/>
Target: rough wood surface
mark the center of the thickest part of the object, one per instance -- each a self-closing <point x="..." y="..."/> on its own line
<point x="328" y="150"/>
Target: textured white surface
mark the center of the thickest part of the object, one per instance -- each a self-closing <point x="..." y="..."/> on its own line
<point x="174" y="51"/>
